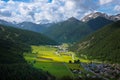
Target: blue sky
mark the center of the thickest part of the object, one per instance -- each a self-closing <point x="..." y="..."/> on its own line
<point x="41" y="11"/>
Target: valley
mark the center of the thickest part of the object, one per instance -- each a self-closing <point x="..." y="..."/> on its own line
<point x="70" y="49"/>
<point x="60" y="62"/>
<point x="50" y="59"/>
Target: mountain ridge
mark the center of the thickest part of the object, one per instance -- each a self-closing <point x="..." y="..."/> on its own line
<point x="99" y="14"/>
<point x="70" y="30"/>
<point x="73" y="30"/>
<point x="24" y="36"/>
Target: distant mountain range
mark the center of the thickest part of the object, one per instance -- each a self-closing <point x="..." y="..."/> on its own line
<point x="33" y="27"/>
<point x="3" y="22"/>
<point x="27" y="25"/>
<point x="103" y="45"/>
<point x="41" y="27"/>
<point x="71" y="30"/>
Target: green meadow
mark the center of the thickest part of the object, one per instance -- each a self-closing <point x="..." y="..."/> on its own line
<point x="52" y="60"/>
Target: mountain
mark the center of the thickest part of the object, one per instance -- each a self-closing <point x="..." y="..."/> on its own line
<point x="98" y="23"/>
<point x="24" y="36"/>
<point x="99" y="14"/>
<point x="103" y="45"/>
<point x="73" y="30"/>
<point x="115" y="17"/>
<point x="28" y="26"/>
<point x="41" y="28"/>
<point x="70" y="31"/>
<point x="93" y="16"/>
<point x="6" y="23"/>
<point x="33" y="27"/>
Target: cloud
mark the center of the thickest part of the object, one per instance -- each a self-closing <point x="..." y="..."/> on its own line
<point x="117" y="8"/>
<point x="44" y="11"/>
<point x="102" y="2"/>
<point x="6" y="13"/>
<point x="87" y="4"/>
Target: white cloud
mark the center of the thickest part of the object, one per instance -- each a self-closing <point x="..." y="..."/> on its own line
<point x="4" y="12"/>
<point x="40" y="11"/>
<point x="36" y="11"/>
<point x="117" y="8"/>
<point x="102" y="2"/>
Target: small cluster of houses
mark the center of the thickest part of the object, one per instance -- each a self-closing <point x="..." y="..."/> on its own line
<point x="61" y="49"/>
<point x="101" y="71"/>
<point x="105" y="70"/>
<point x="82" y="75"/>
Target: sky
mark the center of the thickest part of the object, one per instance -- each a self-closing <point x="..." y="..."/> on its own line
<point x="48" y="11"/>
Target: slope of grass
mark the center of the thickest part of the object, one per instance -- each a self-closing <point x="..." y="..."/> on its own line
<point x="55" y="68"/>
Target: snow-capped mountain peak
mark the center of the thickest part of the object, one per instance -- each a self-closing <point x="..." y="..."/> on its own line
<point x="93" y="16"/>
<point x="99" y="14"/>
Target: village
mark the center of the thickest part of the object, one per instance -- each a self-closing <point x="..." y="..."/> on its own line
<point x="101" y="71"/>
<point x="108" y="71"/>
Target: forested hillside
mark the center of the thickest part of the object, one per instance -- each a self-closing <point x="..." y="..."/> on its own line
<point x="103" y="44"/>
<point x="13" y="43"/>
<point x="24" y="36"/>
<point x="98" y="23"/>
<point x="73" y="30"/>
<point x="68" y="31"/>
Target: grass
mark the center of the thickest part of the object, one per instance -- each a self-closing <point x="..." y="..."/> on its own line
<point x="57" y="69"/>
<point x="74" y="66"/>
<point x="57" y="64"/>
